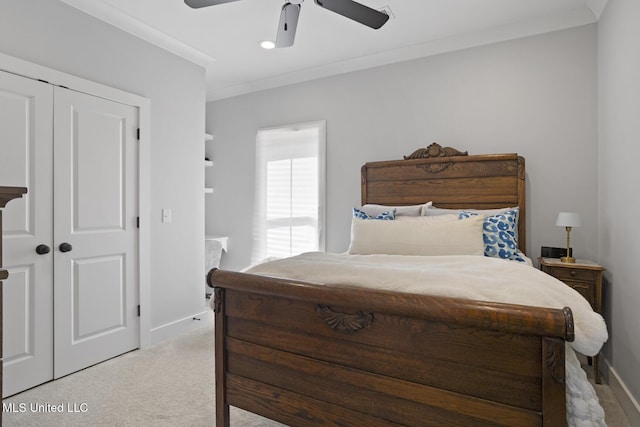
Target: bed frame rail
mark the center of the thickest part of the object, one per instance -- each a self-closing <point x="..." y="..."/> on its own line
<point x="313" y="355"/>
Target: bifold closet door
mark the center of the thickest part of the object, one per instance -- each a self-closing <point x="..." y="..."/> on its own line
<point x="71" y="244"/>
<point x="26" y="160"/>
<point x="95" y="210"/>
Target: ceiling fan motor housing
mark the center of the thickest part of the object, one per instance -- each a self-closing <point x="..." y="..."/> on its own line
<point x="291" y="11"/>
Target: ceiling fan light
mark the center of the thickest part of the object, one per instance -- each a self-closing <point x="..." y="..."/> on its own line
<point x="267" y="44"/>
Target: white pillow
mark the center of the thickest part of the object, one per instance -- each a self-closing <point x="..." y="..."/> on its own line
<point x="434" y="211"/>
<point x="460" y="237"/>
<point x="375" y="210"/>
<point x="423" y="219"/>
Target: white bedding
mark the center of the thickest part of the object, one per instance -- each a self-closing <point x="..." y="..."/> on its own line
<point x="471" y="277"/>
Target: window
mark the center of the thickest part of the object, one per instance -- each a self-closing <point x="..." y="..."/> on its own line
<point x="289" y="208"/>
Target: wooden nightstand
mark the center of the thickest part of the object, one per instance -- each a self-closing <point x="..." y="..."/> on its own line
<point x="586" y="278"/>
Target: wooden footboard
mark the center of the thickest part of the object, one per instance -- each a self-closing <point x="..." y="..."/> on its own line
<point x="312" y="355"/>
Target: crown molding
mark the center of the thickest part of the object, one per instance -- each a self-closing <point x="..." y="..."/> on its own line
<point x="131" y="25"/>
<point x="597" y="7"/>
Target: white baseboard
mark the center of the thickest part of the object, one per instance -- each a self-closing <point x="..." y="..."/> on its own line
<point x="178" y="327"/>
<point x="627" y="401"/>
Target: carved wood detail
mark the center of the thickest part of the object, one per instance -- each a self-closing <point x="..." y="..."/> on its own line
<point x="433" y="151"/>
<point x="9" y="193"/>
<point x="555" y="363"/>
<point x="349" y="323"/>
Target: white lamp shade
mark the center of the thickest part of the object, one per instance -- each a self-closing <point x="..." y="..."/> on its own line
<point x="569" y="219"/>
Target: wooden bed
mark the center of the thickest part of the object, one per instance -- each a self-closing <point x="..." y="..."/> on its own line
<point x="310" y="355"/>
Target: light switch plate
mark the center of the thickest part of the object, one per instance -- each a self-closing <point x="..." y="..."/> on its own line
<point x="166" y="215"/>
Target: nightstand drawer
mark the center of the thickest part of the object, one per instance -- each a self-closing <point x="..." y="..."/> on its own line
<point x="587" y="290"/>
<point x="563" y="273"/>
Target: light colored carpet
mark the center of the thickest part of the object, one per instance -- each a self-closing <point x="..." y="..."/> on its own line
<point x="169" y="384"/>
<point x="614" y="414"/>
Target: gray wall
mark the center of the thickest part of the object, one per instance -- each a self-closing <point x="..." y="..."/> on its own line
<point x="57" y="36"/>
<point x="619" y="236"/>
<point x="536" y="96"/>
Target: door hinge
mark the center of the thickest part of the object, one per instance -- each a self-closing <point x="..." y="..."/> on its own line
<point x="138" y="134"/>
<point x="138" y="310"/>
<point x="138" y="222"/>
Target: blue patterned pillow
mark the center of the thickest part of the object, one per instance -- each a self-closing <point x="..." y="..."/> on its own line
<point x="500" y="234"/>
<point x="357" y="213"/>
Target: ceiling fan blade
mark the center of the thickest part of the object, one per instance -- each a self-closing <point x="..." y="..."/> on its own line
<point x="287" y="26"/>
<point x="197" y="4"/>
<point x="356" y="11"/>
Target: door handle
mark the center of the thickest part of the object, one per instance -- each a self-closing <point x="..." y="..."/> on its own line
<point x="65" y="247"/>
<point x="42" y="249"/>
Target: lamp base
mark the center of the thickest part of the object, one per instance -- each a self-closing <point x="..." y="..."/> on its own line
<point x="568" y="259"/>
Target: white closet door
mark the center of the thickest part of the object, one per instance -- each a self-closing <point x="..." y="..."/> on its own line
<point x="26" y="160"/>
<point x="95" y="211"/>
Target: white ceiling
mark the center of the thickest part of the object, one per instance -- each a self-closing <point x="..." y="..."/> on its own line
<point x="224" y="38"/>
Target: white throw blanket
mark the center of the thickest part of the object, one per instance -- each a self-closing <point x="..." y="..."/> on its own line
<point x="470" y="277"/>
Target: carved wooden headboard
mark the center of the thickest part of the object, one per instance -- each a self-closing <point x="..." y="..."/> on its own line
<point x="450" y="179"/>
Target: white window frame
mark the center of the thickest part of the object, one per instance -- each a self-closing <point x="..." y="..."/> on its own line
<point x="260" y="221"/>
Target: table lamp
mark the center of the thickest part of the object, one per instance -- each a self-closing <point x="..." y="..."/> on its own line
<point x="568" y="220"/>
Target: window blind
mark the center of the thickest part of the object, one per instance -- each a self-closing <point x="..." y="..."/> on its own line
<point x="289" y="208"/>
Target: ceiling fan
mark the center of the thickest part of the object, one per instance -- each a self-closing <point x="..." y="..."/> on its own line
<point x="291" y="11"/>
